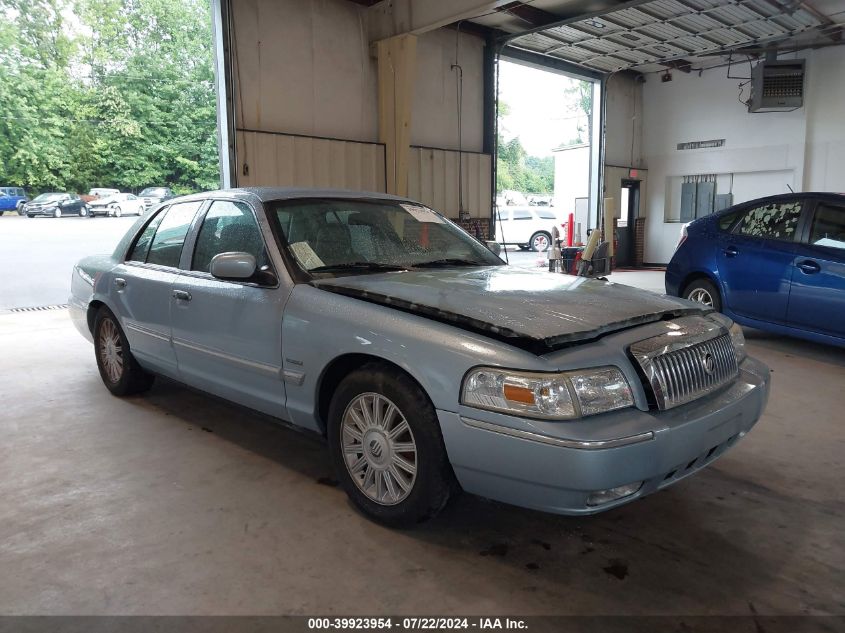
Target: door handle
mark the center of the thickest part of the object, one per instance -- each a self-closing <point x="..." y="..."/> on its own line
<point x="809" y="267"/>
<point x="731" y="251"/>
<point x="119" y="283"/>
<point x="181" y="295"/>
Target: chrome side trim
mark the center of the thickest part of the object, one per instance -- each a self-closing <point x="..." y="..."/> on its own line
<point x="293" y="376"/>
<point x="146" y="331"/>
<point x="589" y="445"/>
<point x="272" y="370"/>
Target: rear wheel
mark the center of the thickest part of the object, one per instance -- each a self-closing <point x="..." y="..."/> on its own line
<point x="386" y="447"/>
<point x="121" y="373"/>
<point x="703" y="291"/>
<point x="83" y="211"/>
<point x="540" y="241"/>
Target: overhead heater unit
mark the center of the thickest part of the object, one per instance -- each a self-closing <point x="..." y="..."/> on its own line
<point x="777" y="86"/>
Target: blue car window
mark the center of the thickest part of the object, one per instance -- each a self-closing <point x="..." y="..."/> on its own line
<point x="828" y="227"/>
<point x="774" y="221"/>
<point x="166" y="247"/>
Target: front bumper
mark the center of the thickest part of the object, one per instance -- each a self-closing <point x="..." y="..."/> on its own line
<point x="48" y="211"/>
<point x="558" y="474"/>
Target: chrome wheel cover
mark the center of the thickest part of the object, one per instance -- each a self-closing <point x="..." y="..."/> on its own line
<point x="110" y="350"/>
<point x="379" y="449"/>
<point x="541" y="243"/>
<point x="700" y="295"/>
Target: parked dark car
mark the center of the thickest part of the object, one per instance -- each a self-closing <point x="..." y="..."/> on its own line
<point x="153" y="195"/>
<point x="12" y="199"/>
<point x="56" y="205"/>
<point x="775" y="263"/>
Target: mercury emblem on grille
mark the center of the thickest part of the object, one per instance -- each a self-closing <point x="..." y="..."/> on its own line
<point x="709" y="363"/>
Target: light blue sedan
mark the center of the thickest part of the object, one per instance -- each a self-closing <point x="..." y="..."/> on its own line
<point x="428" y="364"/>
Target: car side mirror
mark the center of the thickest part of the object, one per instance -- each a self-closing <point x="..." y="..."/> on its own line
<point x="236" y="266"/>
<point x="494" y="247"/>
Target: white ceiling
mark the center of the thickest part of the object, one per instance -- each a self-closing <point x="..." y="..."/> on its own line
<point x="652" y="34"/>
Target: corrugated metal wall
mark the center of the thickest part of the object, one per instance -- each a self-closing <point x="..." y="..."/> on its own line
<point x="286" y="160"/>
<point x="433" y="180"/>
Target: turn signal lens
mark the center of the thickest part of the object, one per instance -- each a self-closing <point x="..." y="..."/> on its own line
<point x="518" y="394"/>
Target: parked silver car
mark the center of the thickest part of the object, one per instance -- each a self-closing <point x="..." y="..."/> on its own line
<point x="427" y="363"/>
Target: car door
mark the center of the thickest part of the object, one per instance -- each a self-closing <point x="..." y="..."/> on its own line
<point x="142" y="286"/>
<point x="817" y="298"/>
<point x="228" y="334"/>
<point x="133" y="204"/>
<point x="755" y="258"/>
<point x="521" y="226"/>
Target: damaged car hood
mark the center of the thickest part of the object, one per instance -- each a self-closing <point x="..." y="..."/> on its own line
<point x="536" y="311"/>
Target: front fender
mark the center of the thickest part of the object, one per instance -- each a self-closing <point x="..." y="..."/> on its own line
<point x="319" y="327"/>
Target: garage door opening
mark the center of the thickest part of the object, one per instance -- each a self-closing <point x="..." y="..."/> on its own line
<point x="547" y="154"/>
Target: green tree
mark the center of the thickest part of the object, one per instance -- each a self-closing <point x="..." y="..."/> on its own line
<point x="515" y="169"/>
<point x="122" y="96"/>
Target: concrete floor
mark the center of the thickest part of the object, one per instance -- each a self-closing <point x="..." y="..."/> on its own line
<point x="175" y="503"/>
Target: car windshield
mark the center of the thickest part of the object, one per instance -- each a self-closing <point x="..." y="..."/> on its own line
<point x="46" y="197"/>
<point x="337" y="236"/>
<point x="154" y="191"/>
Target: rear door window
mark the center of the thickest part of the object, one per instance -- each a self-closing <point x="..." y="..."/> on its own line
<point x="142" y="244"/>
<point x="828" y="227"/>
<point x="166" y="247"/>
<point x="772" y="221"/>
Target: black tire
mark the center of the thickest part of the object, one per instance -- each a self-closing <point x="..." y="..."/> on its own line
<point x="434" y="480"/>
<point x="538" y="234"/>
<point x="30" y="215"/>
<point x="701" y="288"/>
<point x="133" y="378"/>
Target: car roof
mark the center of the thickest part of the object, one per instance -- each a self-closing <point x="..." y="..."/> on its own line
<point x="267" y="194"/>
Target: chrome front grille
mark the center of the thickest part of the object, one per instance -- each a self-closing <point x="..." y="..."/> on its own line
<point x="688" y="362"/>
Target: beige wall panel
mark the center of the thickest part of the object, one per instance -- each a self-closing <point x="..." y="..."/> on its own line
<point x="305" y="68"/>
<point x="277" y="160"/>
<point x="433" y="180"/>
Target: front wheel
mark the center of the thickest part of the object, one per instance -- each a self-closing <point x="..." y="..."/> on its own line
<point x="117" y="212"/>
<point x="703" y="291"/>
<point x="386" y="447"/>
<point x="541" y="241"/>
<point x="121" y="373"/>
<point x="57" y="213"/>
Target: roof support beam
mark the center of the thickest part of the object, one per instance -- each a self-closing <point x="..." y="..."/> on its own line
<point x="396" y="17"/>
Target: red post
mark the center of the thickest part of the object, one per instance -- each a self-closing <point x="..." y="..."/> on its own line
<point x="570" y="229"/>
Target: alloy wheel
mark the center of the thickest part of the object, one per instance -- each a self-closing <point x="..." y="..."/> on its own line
<point x="700" y="295"/>
<point x="379" y="449"/>
<point x="111" y="350"/>
<point x="541" y="243"/>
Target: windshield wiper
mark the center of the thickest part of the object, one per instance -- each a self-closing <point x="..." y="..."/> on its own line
<point x="330" y="268"/>
<point x="448" y="262"/>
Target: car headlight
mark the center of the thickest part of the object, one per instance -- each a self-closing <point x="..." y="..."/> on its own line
<point x="737" y="337"/>
<point x="561" y="396"/>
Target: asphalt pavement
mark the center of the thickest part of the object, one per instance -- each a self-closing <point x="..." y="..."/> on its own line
<point x="37" y="255"/>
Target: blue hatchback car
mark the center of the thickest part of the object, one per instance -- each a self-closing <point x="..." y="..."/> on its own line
<point x="775" y="263"/>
